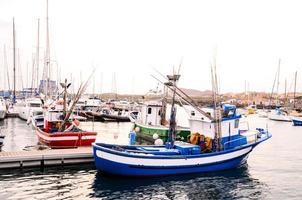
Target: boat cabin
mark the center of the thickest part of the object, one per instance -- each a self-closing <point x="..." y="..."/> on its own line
<point x="229" y="124"/>
<point x="150" y="113"/>
<point x="53" y="120"/>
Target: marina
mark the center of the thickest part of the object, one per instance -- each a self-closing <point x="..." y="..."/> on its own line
<point x="149" y="100"/>
<point x="258" y="179"/>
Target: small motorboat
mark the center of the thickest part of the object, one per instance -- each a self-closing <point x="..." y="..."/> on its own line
<point x="279" y="115"/>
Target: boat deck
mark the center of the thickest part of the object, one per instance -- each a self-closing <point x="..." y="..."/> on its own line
<point x="43" y="158"/>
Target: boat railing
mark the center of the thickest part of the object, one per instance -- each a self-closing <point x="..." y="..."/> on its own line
<point x="241" y="141"/>
<point x="246" y="123"/>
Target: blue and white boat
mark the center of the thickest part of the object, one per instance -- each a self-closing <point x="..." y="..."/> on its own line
<point x="297" y="121"/>
<point x="216" y="143"/>
<point x="135" y="160"/>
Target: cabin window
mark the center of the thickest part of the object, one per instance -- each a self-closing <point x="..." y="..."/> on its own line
<point x="159" y="113"/>
<point x="236" y="124"/>
<point x="192" y="113"/>
<point x="149" y="110"/>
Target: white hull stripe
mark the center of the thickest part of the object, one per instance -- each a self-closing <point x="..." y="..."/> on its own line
<point x="171" y="162"/>
<point x="84" y="137"/>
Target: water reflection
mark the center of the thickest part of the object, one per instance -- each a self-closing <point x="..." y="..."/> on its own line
<point x="236" y="183"/>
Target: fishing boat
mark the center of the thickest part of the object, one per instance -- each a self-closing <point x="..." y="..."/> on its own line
<point x="297" y="121"/>
<point x="215" y="144"/>
<point x="151" y="120"/>
<point x="61" y="129"/>
<point x="71" y="137"/>
<point x="3" y="109"/>
<point x="183" y="157"/>
<point x="279" y="115"/>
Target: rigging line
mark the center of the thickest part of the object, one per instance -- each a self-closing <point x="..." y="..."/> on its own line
<point x="193" y="104"/>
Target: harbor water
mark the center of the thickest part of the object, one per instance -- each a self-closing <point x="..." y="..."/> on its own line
<point x="273" y="170"/>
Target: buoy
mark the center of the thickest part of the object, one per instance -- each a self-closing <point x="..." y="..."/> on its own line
<point x="132" y="136"/>
<point x="137" y="129"/>
<point x="159" y="142"/>
<point x="155" y="136"/>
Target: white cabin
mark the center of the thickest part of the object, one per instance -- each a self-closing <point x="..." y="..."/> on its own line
<point x="204" y="126"/>
<point x="150" y="114"/>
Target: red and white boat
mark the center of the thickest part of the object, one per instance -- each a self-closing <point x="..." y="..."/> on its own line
<point x="71" y="137"/>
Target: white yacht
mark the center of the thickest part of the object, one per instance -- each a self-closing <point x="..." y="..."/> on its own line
<point x="28" y="106"/>
<point x="3" y="109"/>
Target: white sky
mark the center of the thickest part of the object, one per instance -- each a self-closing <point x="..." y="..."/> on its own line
<point x="130" y="37"/>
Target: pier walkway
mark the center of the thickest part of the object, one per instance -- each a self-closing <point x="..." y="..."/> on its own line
<point x="43" y="158"/>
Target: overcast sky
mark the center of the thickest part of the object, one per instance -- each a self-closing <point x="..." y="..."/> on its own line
<point x="130" y="37"/>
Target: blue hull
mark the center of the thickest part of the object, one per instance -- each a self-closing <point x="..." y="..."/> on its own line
<point x="114" y="168"/>
<point x="297" y="122"/>
<point x="146" y="161"/>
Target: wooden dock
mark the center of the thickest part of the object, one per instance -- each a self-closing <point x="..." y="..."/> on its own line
<point x="44" y="158"/>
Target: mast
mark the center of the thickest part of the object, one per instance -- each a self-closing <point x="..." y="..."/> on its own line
<point x="295" y="89"/>
<point x="20" y="70"/>
<point x="216" y="109"/>
<point x="172" y="128"/>
<point x="46" y="71"/>
<point x="6" y="67"/>
<point x="14" y="61"/>
<point x="33" y="79"/>
<point x="285" y="92"/>
<point x="114" y="90"/>
<point x="93" y="87"/>
<point x="164" y="107"/>
<point x="37" y="54"/>
<point x="278" y="82"/>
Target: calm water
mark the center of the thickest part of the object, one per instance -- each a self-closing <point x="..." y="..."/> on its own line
<point x="273" y="171"/>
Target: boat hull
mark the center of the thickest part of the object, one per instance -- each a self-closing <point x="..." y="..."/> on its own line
<point x="297" y="122"/>
<point x="115" y="118"/>
<point x="66" y="139"/>
<point x="112" y="163"/>
<point x="163" y="132"/>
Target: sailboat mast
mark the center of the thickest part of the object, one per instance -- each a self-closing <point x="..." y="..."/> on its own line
<point x="37" y="54"/>
<point x="295" y="89"/>
<point x="47" y="56"/>
<point x="6" y="67"/>
<point x="14" y="61"/>
<point x="278" y="82"/>
<point x="285" y="92"/>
